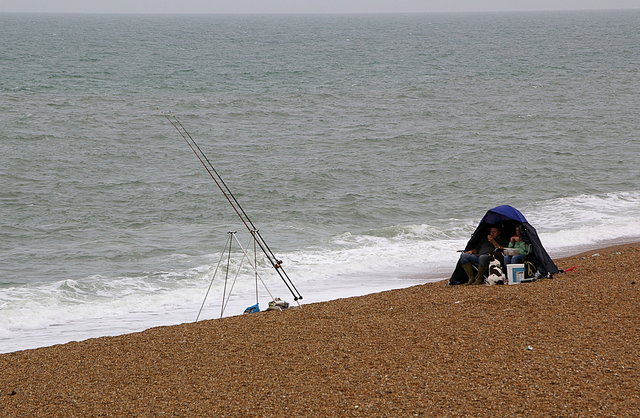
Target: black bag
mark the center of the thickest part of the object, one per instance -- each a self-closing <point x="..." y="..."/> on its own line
<point x="529" y="269"/>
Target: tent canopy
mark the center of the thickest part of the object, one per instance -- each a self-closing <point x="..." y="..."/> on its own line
<point x="503" y="213"/>
<point x="507" y="218"/>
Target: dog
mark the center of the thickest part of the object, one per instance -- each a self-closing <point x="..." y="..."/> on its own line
<point x="496" y="275"/>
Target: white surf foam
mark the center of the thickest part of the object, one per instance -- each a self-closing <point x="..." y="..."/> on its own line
<point x="350" y="265"/>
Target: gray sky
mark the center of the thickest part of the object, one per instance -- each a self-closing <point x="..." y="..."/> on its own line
<point x="303" y="6"/>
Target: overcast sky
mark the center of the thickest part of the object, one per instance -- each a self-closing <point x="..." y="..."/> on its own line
<point x="303" y="6"/>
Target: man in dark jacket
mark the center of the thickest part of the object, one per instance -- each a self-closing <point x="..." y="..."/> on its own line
<point x="479" y="256"/>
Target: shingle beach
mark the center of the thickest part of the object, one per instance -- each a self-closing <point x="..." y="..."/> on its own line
<point x="568" y="346"/>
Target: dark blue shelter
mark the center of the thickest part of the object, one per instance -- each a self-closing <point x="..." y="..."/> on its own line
<point x="507" y="218"/>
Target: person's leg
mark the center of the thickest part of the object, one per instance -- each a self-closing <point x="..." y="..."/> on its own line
<point x="517" y="259"/>
<point x="467" y="261"/>
<point x="469" y="258"/>
<point x="507" y="259"/>
<point x="483" y="266"/>
<point x="483" y="260"/>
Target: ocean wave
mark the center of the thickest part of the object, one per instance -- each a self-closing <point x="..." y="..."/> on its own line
<point x="348" y="265"/>
<point x="595" y="210"/>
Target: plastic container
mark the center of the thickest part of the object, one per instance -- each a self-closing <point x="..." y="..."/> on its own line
<point x="510" y="251"/>
<point x="515" y="273"/>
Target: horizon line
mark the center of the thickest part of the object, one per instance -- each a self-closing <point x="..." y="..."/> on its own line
<point x="317" y="13"/>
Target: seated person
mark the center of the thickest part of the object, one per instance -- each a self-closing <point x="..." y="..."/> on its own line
<point x="522" y="247"/>
<point x="479" y="256"/>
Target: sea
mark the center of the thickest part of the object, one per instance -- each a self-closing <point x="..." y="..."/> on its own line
<point x="365" y="149"/>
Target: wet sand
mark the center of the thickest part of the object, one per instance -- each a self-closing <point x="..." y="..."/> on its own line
<point x="565" y="347"/>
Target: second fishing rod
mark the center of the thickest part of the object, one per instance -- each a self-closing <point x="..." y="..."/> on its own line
<point x="213" y="173"/>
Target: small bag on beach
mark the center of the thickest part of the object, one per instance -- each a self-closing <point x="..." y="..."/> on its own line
<point x="529" y="269"/>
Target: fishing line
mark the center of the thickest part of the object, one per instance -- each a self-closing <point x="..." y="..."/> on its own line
<point x="255" y="233"/>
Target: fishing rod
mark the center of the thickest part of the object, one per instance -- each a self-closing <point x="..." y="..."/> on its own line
<point x="255" y="233"/>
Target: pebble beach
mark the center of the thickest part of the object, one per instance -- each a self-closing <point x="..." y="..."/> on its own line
<point x="565" y="346"/>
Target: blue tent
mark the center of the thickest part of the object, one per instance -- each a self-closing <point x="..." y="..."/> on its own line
<point x="507" y="218"/>
<point x="503" y="213"/>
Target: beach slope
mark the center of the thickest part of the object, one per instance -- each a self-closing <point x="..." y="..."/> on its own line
<point x="565" y="346"/>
